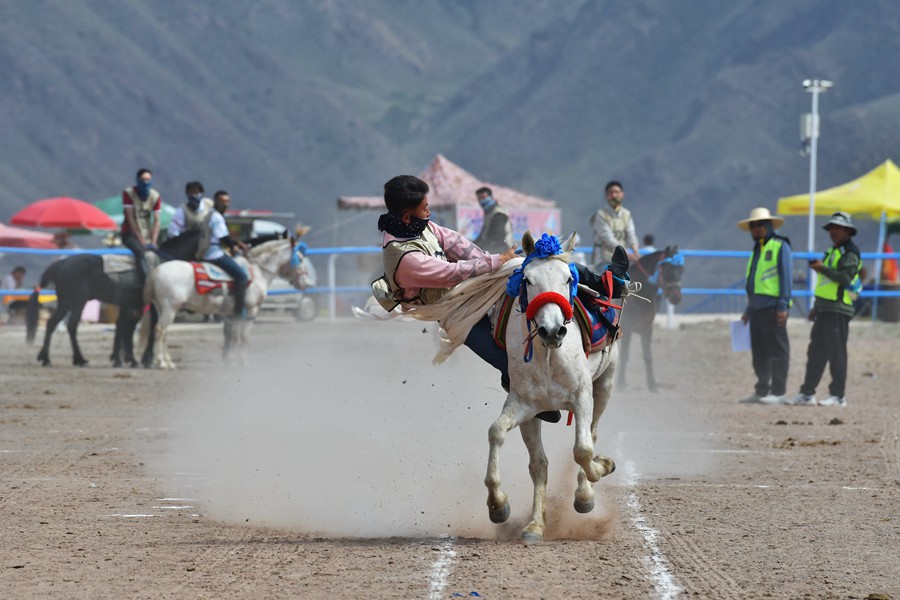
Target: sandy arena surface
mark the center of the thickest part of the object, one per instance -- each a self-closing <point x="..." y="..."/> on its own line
<point x="341" y="464"/>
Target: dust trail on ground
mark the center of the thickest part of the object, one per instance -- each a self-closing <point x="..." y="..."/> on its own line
<point x="348" y="430"/>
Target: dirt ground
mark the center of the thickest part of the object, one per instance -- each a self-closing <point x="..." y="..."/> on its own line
<point x="341" y="464"/>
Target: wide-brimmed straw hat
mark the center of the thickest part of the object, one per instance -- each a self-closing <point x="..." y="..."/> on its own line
<point x="760" y="214"/>
<point x="843" y="219"/>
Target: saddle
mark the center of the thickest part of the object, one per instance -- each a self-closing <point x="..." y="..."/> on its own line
<point x="597" y="320"/>
<point x="210" y="279"/>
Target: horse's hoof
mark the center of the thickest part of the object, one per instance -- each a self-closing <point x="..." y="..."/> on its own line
<point x="501" y="515"/>
<point x="134" y="364"/>
<point x="117" y="364"/>
<point x="46" y="363"/>
<point x="80" y="363"/>
<point x="653" y="388"/>
<point x="584" y="507"/>
<point x="607" y="464"/>
<point x="531" y="537"/>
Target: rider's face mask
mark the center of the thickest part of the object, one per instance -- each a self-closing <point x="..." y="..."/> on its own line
<point x="194" y="201"/>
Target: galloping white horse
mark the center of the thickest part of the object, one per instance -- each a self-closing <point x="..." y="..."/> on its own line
<point x="553" y="373"/>
<point x="171" y="287"/>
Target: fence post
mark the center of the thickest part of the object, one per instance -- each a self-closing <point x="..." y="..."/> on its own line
<point x="332" y="294"/>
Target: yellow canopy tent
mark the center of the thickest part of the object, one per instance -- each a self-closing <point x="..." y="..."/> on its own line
<point x="875" y="195"/>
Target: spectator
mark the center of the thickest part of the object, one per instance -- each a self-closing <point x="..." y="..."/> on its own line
<point x="768" y="300"/>
<point x="13" y="281"/>
<point x="837" y="286"/>
<point x="613" y="226"/>
<point x="495" y="236"/>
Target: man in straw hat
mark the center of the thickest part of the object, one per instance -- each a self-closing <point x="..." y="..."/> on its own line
<point x="837" y="286"/>
<point x="768" y="300"/>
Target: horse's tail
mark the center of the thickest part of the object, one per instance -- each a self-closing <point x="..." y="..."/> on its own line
<point x="33" y="310"/>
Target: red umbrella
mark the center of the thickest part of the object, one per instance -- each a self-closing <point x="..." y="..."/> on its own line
<point x="65" y="213"/>
<point x="13" y="237"/>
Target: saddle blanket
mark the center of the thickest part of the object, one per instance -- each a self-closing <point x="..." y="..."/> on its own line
<point x="208" y="278"/>
<point x="594" y="329"/>
<point x="117" y="263"/>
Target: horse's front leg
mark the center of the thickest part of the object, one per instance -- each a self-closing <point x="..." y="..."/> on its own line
<point x="512" y="415"/>
<point x="246" y="326"/>
<point x="594" y="468"/>
<point x="625" y="342"/>
<point x="648" y="360"/>
<point x="537" y="467"/>
<point x="58" y="315"/>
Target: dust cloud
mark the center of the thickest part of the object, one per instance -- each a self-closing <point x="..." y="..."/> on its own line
<point x="348" y="429"/>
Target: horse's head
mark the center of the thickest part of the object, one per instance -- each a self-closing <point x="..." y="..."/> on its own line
<point x="670" y="270"/>
<point x="546" y="284"/>
<point x="298" y="270"/>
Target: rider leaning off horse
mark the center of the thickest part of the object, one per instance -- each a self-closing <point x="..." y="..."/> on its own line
<point x="422" y="261"/>
<point x="214" y="238"/>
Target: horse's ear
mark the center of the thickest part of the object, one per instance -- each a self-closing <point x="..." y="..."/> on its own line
<point x="570" y="243"/>
<point x="528" y="242"/>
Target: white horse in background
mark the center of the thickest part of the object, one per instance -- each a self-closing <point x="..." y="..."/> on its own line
<point x="557" y="375"/>
<point x="171" y="287"/>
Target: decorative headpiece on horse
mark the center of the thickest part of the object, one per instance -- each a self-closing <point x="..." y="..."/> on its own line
<point x="297" y="254"/>
<point x="547" y="246"/>
<point x="676" y="260"/>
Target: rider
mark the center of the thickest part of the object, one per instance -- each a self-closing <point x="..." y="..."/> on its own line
<point x="193" y="215"/>
<point x="140" y="227"/>
<point x="423" y="260"/>
<point x="218" y="237"/>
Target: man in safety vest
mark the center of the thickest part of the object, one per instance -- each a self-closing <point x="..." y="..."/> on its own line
<point x="837" y="286"/>
<point x="768" y="300"/>
<point x="140" y="227"/>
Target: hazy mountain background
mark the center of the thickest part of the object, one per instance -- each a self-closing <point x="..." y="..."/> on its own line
<point x="694" y="105"/>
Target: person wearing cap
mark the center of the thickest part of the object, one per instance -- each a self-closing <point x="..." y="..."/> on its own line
<point x="837" y="286"/>
<point x="768" y="300"/>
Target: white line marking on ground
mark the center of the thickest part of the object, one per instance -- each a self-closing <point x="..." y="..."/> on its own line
<point x="129" y="516"/>
<point x="172" y="507"/>
<point x="656" y="562"/>
<point x="440" y="570"/>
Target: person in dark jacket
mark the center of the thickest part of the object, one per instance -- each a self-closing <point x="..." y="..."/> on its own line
<point x="837" y="286"/>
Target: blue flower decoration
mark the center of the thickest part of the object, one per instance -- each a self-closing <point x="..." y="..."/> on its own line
<point x="545" y="247"/>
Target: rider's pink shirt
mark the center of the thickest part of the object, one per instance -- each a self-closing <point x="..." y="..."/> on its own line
<point x="417" y="270"/>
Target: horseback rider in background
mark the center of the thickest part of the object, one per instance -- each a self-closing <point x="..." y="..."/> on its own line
<point x="140" y="227"/>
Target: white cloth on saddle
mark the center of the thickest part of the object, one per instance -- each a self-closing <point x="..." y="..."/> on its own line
<point x="464" y="306"/>
<point x="117" y="263"/>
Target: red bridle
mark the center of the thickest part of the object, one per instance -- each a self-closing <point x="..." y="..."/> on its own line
<point x="540" y="300"/>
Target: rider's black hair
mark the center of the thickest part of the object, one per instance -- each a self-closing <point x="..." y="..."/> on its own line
<point x="404" y="192"/>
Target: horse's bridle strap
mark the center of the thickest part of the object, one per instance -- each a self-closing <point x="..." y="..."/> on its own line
<point x="540" y="300"/>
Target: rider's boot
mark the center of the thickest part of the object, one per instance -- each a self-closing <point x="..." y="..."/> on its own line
<point x="550" y="416"/>
<point x="619" y="268"/>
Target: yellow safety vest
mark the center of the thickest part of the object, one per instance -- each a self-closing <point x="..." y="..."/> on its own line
<point x="828" y="289"/>
<point x="766" y="281"/>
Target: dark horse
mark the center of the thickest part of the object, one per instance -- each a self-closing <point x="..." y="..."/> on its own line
<point x="659" y="270"/>
<point x="79" y="278"/>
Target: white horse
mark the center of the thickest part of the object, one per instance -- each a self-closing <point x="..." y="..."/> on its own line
<point x="171" y="287"/>
<point x="553" y="373"/>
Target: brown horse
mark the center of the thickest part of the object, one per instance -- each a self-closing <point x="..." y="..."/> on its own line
<point x="660" y="270"/>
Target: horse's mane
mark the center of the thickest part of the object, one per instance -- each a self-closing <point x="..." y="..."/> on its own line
<point x="266" y="248"/>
